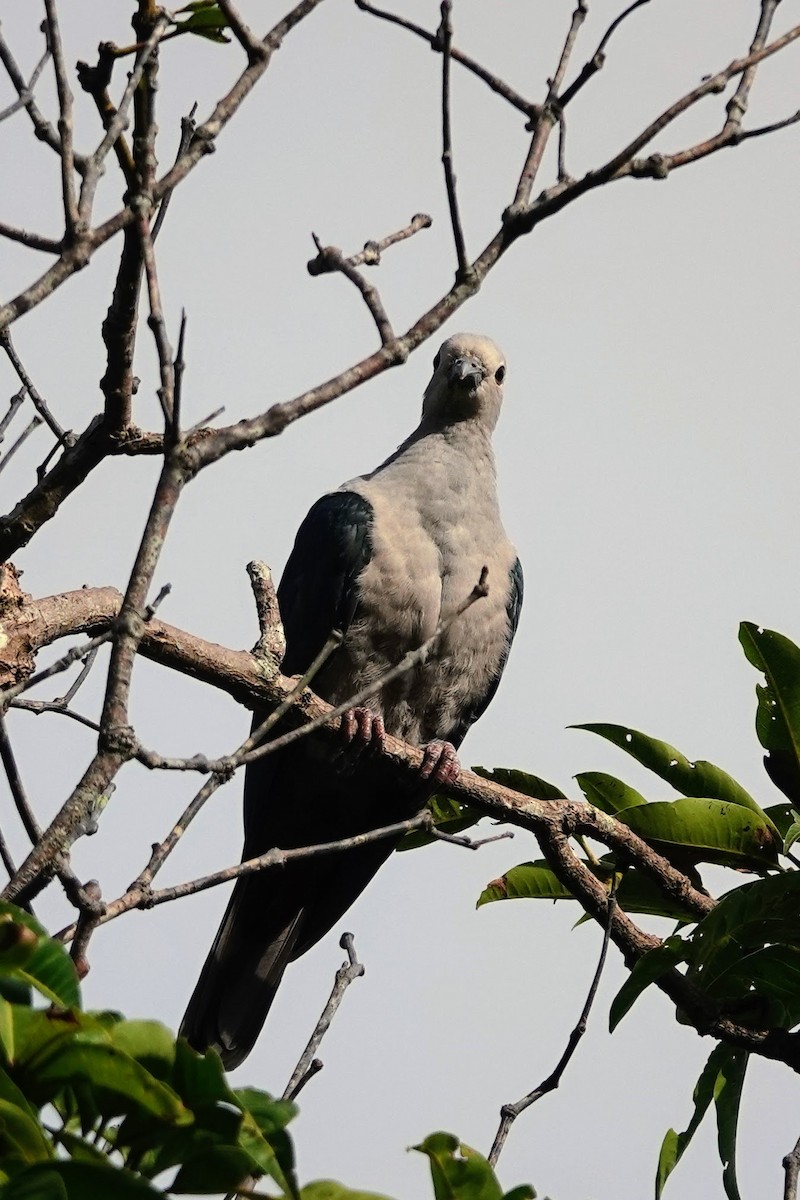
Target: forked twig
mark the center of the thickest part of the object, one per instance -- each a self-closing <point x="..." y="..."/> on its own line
<point x="510" y="1112"/>
<point x="308" y="1065"/>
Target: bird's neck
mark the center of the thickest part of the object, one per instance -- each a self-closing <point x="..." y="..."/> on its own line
<point x="440" y="458"/>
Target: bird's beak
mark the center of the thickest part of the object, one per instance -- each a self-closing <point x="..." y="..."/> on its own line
<point x="466" y="370"/>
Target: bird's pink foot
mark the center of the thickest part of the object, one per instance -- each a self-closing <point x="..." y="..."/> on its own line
<point x="440" y="763"/>
<point x="362" y="732"/>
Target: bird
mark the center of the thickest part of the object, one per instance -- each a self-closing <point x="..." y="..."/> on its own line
<point x="383" y="559"/>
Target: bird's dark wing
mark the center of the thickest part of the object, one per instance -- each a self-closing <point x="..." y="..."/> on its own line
<point x="291" y="800"/>
<point x="317" y="593"/>
<point x="513" y="610"/>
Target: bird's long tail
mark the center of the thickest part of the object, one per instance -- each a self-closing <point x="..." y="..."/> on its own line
<point x="241" y="975"/>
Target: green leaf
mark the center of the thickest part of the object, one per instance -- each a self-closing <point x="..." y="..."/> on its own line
<point x="747" y="948"/>
<point x="213" y="1169"/>
<point x="329" y="1189"/>
<point x="608" y="793"/>
<point x="206" y="20"/>
<point x="536" y="881"/>
<point x="6" y="1029"/>
<point x="707" y="830"/>
<point x="21" y="1135"/>
<point x="270" y="1117"/>
<point x="702" y="779"/>
<point x="521" y="781"/>
<point x="528" y="881"/>
<point x="29" y="954"/>
<point x="449" y="815"/>
<point x="74" y="1180"/>
<point x="149" y="1042"/>
<point x="724" y="1069"/>
<point x="124" y="1082"/>
<point x="459" y="1172"/>
<point x="778" y="714"/>
<point x="766" y="911"/>
<point x="650" y="967"/>
<point x="727" y="1098"/>
<point x="791" y="836"/>
<point x="78" y="1148"/>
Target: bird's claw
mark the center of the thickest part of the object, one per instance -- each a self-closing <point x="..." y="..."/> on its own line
<point x="363" y="732"/>
<point x="440" y="763"/>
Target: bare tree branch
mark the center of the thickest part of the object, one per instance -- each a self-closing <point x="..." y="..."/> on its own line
<point x="791" y="1167"/>
<point x="43" y="129"/>
<point x="445" y="36"/>
<point x="510" y="1112"/>
<point x="65" y="130"/>
<point x="26" y="381"/>
<point x="347" y="973"/>
<point x="498" y="85"/>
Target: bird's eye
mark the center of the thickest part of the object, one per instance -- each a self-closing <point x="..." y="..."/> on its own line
<point x="500" y="374"/>
<point x="437" y="360"/>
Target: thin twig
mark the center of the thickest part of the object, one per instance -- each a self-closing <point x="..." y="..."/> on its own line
<point x="65" y="700"/>
<point x="761" y="130"/>
<point x="250" y="43"/>
<point x="5" y="856"/>
<point x="597" y="61"/>
<point x="468" y="843"/>
<point x="445" y="36"/>
<point x="144" y="897"/>
<point x="76" y="654"/>
<point x="548" y="116"/>
<point x="37" y="707"/>
<point x="791" y="1167"/>
<point x="64" y="120"/>
<point x="18" y="793"/>
<point x="13" y="406"/>
<point x="498" y="85"/>
<point x="23" y="437"/>
<point x="24" y="98"/>
<point x="119" y="121"/>
<point x="33" y="241"/>
<point x="737" y="105"/>
<point x="346" y="974"/>
<point x="44" y="130"/>
<point x="179" y="366"/>
<point x="370" y="256"/>
<point x="223" y="769"/>
<point x="96" y="80"/>
<point x="26" y="381"/>
<point x="166" y="391"/>
<point x="510" y="1112"/>
<point x="188" y="126"/>
<point x="335" y="261"/>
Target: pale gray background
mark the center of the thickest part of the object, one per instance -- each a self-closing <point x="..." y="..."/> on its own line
<point x="648" y="470"/>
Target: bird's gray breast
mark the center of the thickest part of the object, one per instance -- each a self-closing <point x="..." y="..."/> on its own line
<point x="431" y="536"/>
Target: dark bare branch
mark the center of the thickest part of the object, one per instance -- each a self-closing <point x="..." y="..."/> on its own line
<point x="510" y="1112"/>
<point x="65" y="130"/>
<point x="445" y="36"/>
<point x="333" y="260"/>
<point x="308" y="1064"/>
<point x="28" y="384"/>
<point x="498" y="85"/>
<point x="598" y="59"/>
<point x="42" y="127"/>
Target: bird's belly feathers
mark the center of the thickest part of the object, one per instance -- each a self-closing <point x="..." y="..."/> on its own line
<point x="411" y="583"/>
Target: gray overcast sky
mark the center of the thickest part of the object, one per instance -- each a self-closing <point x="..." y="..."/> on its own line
<point x="648" y="467"/>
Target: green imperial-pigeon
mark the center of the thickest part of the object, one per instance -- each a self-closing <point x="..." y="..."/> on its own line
<point x="383" y="560"/>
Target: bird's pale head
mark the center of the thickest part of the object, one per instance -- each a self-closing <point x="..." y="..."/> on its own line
<point x="467" y="381"/>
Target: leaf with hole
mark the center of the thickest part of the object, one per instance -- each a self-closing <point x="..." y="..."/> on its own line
<point x="778" y="713"/>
